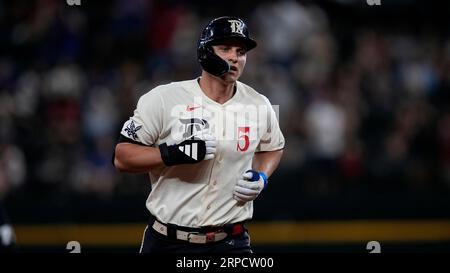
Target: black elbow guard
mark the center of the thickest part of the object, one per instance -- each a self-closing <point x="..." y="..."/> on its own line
<point x="187" y="152"/>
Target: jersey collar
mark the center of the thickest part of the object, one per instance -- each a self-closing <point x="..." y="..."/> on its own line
<point x="198" y="91"/>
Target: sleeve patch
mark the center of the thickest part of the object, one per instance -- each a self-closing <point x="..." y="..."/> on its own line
<point x="130" y="129"/>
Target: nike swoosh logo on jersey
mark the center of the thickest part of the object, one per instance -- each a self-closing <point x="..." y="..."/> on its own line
<point x="191" y="108"/>
<point x="190" y="150"/>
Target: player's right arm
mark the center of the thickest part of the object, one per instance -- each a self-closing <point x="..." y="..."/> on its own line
<point x="140" y="148"/>
<point x="131" y="157"/>
<point x="136" y="150"/>
<point x="134" y="158"/>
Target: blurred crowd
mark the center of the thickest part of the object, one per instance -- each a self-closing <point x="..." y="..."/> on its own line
<point x="368" y="108"/>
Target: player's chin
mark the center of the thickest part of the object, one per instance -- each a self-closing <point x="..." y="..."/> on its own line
<point x="230" y="77"/>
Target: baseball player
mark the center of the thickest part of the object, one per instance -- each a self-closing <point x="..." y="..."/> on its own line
<point x="209" y="146"/>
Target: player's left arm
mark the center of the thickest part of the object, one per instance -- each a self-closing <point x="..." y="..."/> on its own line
<point x="267" y="156"/>
<point x="267" y="162"/>
<point x="269" y="151"/>
<point x="255" y="180"/>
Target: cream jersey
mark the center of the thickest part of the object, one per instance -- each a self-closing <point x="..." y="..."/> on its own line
<point x="196" y="195"/>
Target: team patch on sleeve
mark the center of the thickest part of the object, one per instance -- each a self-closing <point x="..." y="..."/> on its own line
<point x="130" y="129"/>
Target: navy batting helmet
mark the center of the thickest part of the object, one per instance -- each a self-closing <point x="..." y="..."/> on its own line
<point x="217" y="31"/>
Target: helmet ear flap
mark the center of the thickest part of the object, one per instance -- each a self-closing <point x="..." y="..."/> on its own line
<point x="210" y="62"/>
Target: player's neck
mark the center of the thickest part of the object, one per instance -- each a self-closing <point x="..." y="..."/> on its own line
<point x="216" y="89"/>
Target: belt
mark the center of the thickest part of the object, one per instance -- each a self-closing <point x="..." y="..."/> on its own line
<point x="197" y="237"/>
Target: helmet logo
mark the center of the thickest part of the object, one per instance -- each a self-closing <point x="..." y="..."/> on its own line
<point x="236" y="26"/>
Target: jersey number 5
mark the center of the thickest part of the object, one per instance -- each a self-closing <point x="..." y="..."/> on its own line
<point x="243" y="133"/>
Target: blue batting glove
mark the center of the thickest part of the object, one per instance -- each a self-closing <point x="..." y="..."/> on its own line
<point x="249" y="186"/>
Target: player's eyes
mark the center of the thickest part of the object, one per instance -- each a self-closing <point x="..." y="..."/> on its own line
<point x="226" y="49"/>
